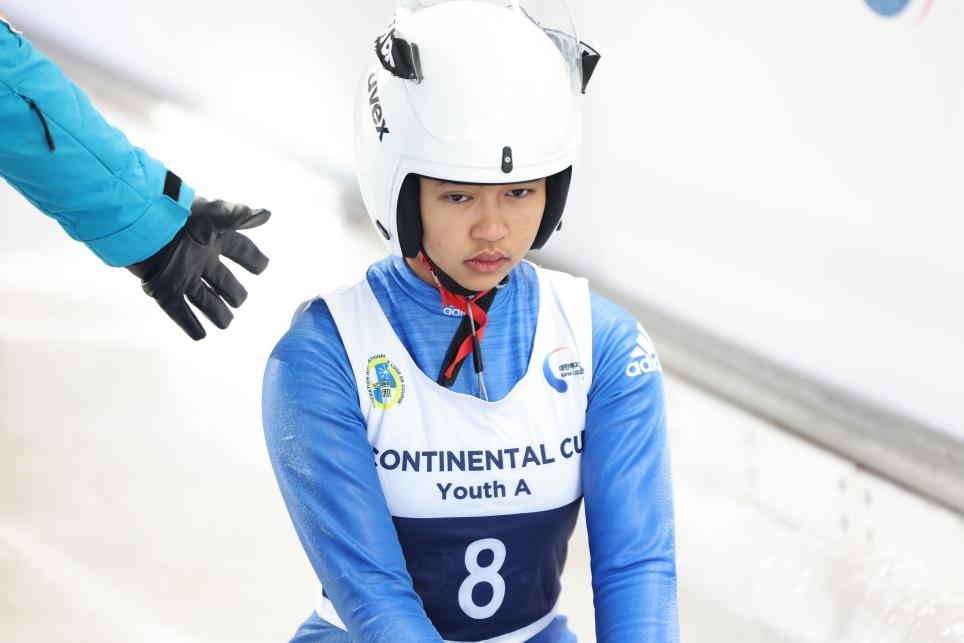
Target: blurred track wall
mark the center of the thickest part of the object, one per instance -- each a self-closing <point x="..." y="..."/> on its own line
<point x="785" y="175"/>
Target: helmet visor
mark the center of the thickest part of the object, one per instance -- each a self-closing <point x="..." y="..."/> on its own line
<point x="551" y="16"/>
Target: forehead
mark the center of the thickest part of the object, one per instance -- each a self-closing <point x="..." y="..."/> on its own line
<point x="439" y="183"/>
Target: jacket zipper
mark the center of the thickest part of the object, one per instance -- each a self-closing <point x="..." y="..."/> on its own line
<point x="43" y="121"/>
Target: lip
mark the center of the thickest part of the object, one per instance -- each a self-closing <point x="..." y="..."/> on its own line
<point x="486" y="262"/>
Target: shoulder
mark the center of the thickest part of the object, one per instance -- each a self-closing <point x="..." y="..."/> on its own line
<point x="616" y="332"/>
<point x="307" y="370"/>
<point x="311" y="343"/>
<point x="312" y="319"/>
<point x="382" y="271"/>
<point x="623" y="353"/>
<point x="312" y="335"/>
<point x="556" y="278"/>
<point x="612" y="324"/>
<point x="570" y="291"/>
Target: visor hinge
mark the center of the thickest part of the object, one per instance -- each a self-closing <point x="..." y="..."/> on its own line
<point x="398" y="56"/>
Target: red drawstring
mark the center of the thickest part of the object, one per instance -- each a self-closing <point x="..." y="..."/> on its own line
<point x="461" y="303"/>
<point x="449" y="299"/>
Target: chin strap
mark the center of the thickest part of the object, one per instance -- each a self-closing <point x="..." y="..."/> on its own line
<point x="445" y="283"/>
<point x="468" y="337"/>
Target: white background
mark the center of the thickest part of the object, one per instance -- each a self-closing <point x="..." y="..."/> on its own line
<point x="786" y="175"/>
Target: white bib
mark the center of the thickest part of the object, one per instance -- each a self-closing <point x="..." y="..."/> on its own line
<point x="484" y="495"/>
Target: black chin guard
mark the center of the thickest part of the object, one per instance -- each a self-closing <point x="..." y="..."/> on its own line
<point x="409" y="217"/>
<point x="557" y="191"/>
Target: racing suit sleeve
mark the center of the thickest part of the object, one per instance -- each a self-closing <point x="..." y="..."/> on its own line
<point x="627" y="487"/>
<point x="317" y="441"/>
<point x="63" y="157"/>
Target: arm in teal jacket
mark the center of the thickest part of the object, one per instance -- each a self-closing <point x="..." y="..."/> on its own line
<point x="63" y="157"/>
<point x="60" y="153"/>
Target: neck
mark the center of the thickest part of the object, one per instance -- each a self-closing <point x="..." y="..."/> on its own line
<point x="440" y="279"/>
<point x="421" y="270"/>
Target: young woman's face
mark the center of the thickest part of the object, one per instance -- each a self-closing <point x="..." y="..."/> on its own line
<point x="478" y="233"/>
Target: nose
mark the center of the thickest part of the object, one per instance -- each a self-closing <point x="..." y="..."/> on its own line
<point x="491" y="222"/>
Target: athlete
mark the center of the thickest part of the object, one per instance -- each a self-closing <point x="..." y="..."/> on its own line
<point x="60" y="153"/>
<point x="435" y="427"/>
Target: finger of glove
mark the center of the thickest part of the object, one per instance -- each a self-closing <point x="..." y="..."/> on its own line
<point x="210" y="305"/>
<point x="254" y="219"/>
<point x="241" y="250"/>
<point x="226" y="285"/>
<point x="209" y="218"/>
<point x="178" y="310"/>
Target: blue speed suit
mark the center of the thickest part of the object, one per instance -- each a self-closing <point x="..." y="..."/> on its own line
<point x="316" y="436"/>
<point x="63" y="157"/>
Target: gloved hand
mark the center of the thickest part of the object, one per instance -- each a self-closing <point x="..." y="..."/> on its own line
<point x="176" y="271"/>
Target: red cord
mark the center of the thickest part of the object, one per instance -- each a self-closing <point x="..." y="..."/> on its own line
<point x="461" y="303"/>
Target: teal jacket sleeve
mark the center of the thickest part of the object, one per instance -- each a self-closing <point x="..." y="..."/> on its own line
<point x="68" y="161"/>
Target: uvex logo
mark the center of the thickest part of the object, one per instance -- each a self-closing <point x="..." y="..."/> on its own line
<point x="377" y="117"/>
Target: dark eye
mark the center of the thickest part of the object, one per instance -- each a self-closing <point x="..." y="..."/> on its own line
<point x="457" y="198"/>
<point x="520" y="192"/>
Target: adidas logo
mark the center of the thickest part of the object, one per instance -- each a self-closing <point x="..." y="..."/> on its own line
<point x="643" y="359"/>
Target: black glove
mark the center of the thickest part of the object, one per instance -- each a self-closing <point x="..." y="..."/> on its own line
<point x="190" y="265"/>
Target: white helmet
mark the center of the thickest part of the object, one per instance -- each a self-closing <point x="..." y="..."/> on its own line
<point x="474" y="91"/>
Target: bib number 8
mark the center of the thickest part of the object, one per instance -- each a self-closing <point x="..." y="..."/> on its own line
<point x="478" y="575"/>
